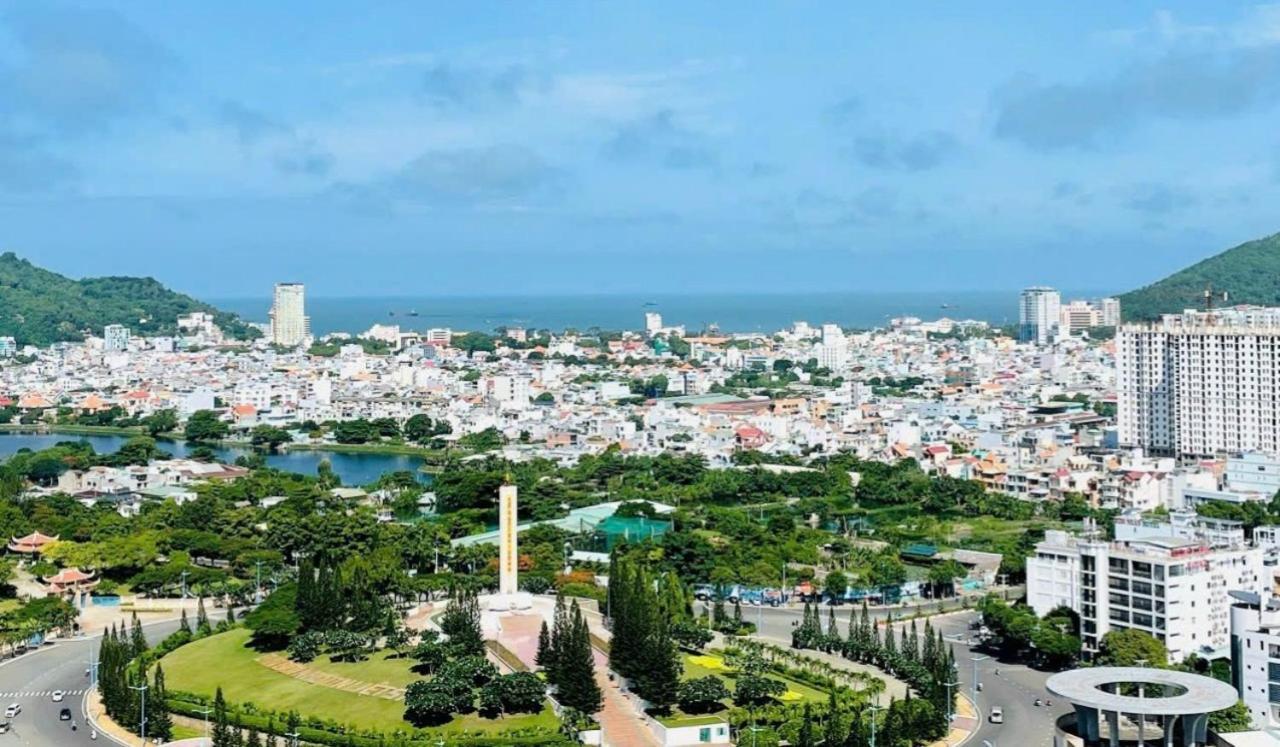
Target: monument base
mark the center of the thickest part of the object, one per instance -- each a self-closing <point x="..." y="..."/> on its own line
<point x="520" y="601"/>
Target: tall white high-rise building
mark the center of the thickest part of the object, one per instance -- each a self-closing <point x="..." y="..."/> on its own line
<point x="652" y="322"/>
<point x="835" y="349"/>
<point x="8" y="347"/>
<point x="1201" y="383"/>
<point x="1110" y="312"/>
<point x="290" y="325"/>
<point x="1039" y="313"/>
<point x="115" y="338"/>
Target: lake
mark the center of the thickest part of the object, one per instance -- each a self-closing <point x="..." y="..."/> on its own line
<point x="353" y="469"/>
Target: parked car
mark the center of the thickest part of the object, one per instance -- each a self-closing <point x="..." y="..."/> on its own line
<point x="57" y="696"/>
<point x="64" y="714"/>
<point x="772" y="597"/>
<point x="4" y="727"/>
<point x="704" y="592"/>
<point x="997" y="715"/>
<point x="13" y="710"/>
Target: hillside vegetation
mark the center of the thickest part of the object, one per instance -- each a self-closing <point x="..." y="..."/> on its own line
<point x="1250" y="273"/>
<point x="39" y="307"/>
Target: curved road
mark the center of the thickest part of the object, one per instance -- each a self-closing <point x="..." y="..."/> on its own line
<point x="28" y="681"/>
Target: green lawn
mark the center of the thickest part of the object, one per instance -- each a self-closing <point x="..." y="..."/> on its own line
<point x="224" y="661"/>
<point x="381" y="668"/>
<point x="706" y="666"/>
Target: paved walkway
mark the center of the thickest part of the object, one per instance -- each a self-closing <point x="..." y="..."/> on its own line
<point x="283" y="665"/>
<point x="621" y="724"/>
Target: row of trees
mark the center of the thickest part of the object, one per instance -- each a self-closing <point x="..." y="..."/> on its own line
<point x="565" y="656"/>
<point x="924" y="661"/>
<point x="122" y="681"/>
<point x="642" y="608"/>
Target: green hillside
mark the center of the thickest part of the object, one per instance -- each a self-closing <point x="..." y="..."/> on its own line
<point x="39" y="307"/>
<point x="1250" y="273"/>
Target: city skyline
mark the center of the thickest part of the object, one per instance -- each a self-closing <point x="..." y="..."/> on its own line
<point x="784" y="149"/>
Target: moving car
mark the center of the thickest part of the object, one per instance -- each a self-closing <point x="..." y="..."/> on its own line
<point x="57" y="696"/>
<point x="4" y="727"/>
<point x="64" y="714"/>
<point x="997" y="715"/>
<point x="13" y="710"/>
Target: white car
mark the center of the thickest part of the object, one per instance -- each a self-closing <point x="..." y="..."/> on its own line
<point x="13" y="710"/>
<point x="57" y="696"/>
<point x="997" y="715"/>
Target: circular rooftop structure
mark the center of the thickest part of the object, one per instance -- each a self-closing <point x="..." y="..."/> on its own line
<point x="1167" y="692"/>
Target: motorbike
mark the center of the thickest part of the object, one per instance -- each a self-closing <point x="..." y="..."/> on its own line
<point x="1038" y="703"/>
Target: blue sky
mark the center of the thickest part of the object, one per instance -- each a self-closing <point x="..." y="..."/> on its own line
<point x="552" y="147"/>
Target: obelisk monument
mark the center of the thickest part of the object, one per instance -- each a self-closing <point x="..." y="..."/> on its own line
<point x="508" y="554"/>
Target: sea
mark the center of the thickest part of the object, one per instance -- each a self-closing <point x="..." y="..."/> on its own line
<point x="730" y="312"/>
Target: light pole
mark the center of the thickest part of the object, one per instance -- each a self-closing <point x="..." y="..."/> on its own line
<point x="951" y="701"/>
<point x="874" y="708"/>
<point x="142" y="716"/>
<point x="257" y="592"/>
<point x="93" y="672"/>
<point x="975" y="660"/>
<point x="205" y="712"/>
<point x="184" y="584"/>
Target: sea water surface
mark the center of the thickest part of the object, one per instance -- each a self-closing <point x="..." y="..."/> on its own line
<point x="731" y="312"/>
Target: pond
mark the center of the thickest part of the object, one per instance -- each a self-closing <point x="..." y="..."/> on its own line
<point x="353" y="469"/>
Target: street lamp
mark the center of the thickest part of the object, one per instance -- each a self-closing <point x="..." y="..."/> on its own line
<point x="874" y="708"/>
<point x="142" y="718"/>
<point x="205" y="712"/>
<point x="257" y="592"/>
<point x="184" y="584"/>
<point x="951" y="702"/>
<point x="975" y="660"/>
<point x="93" y="672"/>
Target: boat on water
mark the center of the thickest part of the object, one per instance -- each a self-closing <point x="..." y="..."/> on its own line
<point x="413" y="312"/>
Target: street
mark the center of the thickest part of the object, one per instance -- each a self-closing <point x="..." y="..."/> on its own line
<point x="1014" y="689"/>
<point x="28" y="680"/>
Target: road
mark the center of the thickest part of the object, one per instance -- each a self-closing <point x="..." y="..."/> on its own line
<point x="776" y="622"/>
<point x="28" y="680"/>
<point x="1014" y="690"/>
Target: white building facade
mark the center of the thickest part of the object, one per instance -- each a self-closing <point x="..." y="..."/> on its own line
<point x="290" y="325"/>
<point x="1200" y="384"/>
<point x="1039" y="313"/>
<point x="1175" y="589"/>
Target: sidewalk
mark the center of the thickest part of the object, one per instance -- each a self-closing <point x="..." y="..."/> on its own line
<point x="964" y="724"/>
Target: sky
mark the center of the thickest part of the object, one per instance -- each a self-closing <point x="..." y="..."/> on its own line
<point x="410" y="148"/>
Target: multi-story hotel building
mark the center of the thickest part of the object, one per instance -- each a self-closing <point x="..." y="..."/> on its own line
<point x="290" y="325"/>
<point x="1174" y="588"/>
<point x="1201" y="383"/>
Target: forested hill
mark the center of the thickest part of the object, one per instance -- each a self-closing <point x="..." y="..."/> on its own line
<point x="1249" y="273"/>
<point x="39" y="307"/>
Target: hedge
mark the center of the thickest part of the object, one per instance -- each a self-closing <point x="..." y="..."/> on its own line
<point x="192" y="706"/>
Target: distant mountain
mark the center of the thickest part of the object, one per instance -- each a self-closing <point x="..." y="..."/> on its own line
<point x="39" y="307"/>
<point x="1249" y="273"/>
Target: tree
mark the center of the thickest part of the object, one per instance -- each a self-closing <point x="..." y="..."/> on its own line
<point x="543" y="656"/>
<point x="429" y="703"/>
<point x="1231" y="719"/>
<point x="205" y="425"/>
<point x="1126" y="648"/>
<point x="461" y="623"/>
<point x="521" y="692"/>
<point x="575" y="666"/>
<point x="159" y="721"/>
<point x="161" y="421"/>
<point x="836" y="584"/>
<point x="221" y="735"/>
<point x="269" y="437"/>
<point x="703" y="695"/>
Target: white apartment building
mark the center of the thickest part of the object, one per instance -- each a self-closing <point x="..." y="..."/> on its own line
<point x="440" y="336"/>
<point x="1087" y="314"/>
<point x="1255" y="655"/>
<point x="1110" y="312"/>
<point x="652" y="323"/>
<point x="290" y="325"/>
<point x="1201" y="383"/>
<point x="115" y="338"/>
<point x="1176" y="589"/>
<point x="1039" y="314"/>
<point x="8" y="347"/>
<point x="835" y="349"/>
